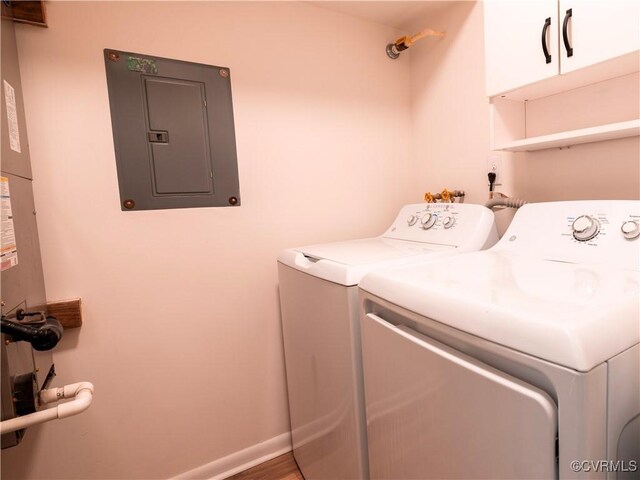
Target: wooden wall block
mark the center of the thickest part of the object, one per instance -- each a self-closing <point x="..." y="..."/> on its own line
<point x="26" y="11"/>
<point x="68" y="312"/>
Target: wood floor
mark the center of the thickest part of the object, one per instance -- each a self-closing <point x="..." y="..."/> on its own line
<point x="280" y="468"/>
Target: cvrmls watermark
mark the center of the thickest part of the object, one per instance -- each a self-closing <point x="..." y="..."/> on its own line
<point x="604" y="466"/>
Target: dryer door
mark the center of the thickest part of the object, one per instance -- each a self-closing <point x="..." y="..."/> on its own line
<point x="433" y="412"/>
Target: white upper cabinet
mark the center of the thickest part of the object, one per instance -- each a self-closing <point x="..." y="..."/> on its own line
<point x="575" y="34"/>
<point x="521" y="43"/>
<point x="594" y="31"/>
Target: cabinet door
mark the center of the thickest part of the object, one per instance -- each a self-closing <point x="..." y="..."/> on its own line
<point x="597" y="31"/>
<point x="514" y="32"/>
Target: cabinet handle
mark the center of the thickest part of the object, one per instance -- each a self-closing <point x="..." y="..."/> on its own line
<point x="545" y="50"/>
<point x="565" y="33"/>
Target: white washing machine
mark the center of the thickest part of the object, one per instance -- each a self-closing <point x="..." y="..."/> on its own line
<point x="319" y="306"/>
<point x="522" y="361"/>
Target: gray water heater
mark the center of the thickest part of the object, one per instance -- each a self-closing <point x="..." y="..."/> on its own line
<point x="23" y="371"/>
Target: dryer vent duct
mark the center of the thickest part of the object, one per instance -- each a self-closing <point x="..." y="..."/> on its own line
<point x="504" y="201"/>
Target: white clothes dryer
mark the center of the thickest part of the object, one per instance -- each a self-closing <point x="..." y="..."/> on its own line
<point x="319" y="306"/>
<point x="522" y="361"/>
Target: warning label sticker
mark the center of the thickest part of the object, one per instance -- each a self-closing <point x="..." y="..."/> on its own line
<point x="8" y="248"/>
<point x="12" y="117"/>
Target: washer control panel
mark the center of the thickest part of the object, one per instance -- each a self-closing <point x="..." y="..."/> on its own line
<point x="598" y="231"/>
<point x="434" y="215"/>
<point x="589" y="227"/>
<point x="451" y="224"/>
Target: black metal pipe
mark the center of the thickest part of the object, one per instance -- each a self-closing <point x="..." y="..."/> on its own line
<point x="42" y="337"/>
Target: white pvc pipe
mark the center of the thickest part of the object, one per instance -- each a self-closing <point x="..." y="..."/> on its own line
<point x="81" y="392"/>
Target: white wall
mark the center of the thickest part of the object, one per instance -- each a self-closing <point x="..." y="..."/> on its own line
<point x="451" y="132"/>
<point x="449" y="108"/>
<point x="181" y="331"/>
<point x="328" y="130"/>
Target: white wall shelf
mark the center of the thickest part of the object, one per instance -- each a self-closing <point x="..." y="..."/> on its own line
<point x="610" y="131"/>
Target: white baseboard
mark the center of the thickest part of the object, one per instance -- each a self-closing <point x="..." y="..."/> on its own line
<point x="239" y="461"/>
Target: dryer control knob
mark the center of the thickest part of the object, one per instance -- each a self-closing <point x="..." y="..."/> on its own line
<point x="448" y="222"/>
<point x="630" y="229"/>
<point x="585" y="228"/>
<point x="428" y="220"/>
<point x="412" y="220"/>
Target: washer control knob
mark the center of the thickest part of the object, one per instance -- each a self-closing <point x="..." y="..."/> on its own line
<point x="428" y="220"/>
<point x="585" y="228"/>
<point x="448" y="222"/>
<point x="412" y="220"/>
<point x="630" y="229"/>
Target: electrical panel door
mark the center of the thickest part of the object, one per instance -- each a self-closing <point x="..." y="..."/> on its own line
<point x="173" y="131"/>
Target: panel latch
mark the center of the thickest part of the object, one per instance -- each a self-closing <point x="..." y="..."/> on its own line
<point x="158" y="137"/>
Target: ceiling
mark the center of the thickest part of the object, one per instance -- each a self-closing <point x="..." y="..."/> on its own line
<point x="397" y="14"/>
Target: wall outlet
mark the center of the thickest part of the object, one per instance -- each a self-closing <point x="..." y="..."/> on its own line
<point x="494" y="164"/>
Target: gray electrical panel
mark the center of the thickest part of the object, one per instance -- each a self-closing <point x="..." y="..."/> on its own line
<point x="173" y="132"/>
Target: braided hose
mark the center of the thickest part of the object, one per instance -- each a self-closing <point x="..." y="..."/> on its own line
<point x="505" y="202"/>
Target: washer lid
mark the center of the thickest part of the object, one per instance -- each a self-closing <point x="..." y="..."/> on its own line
<point x="347" y="262"/>
<point x="574" y="315"/>
<point x="368" y="250"/>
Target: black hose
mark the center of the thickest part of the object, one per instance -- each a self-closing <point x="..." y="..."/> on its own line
<point x="42" y="337"/>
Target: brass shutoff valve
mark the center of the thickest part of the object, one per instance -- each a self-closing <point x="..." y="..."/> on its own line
<point x="444" y="196"/>
<point x="404" y="42"/>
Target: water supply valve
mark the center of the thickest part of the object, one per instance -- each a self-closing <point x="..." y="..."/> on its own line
<point x="446" y="196"/>
<point x="404" y="42"/>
